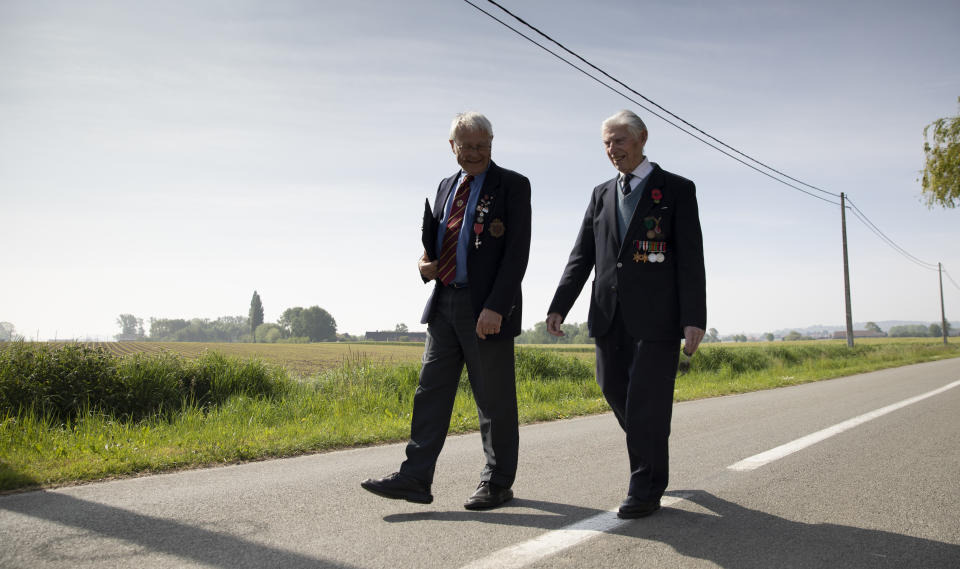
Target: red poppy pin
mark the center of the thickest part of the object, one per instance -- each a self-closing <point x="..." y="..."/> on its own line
<point x="657" y="195"/>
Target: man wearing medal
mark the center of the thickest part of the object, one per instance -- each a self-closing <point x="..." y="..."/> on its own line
<point x="476" y="241"/>
<point x="641" y="236"/>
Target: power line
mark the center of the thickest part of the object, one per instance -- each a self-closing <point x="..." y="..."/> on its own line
<point x="645" y="98"/>
<point x="951" y="279"/>
<point x="653" y="112"/>
<point x="856" y="211"/>
<point x="876" y="230"/>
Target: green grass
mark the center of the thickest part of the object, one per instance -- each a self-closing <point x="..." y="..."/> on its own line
<point x="216" y="409"/>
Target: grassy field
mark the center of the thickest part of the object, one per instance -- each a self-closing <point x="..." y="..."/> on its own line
<point x="171" y="406"/>
<point x="300" y="360"/>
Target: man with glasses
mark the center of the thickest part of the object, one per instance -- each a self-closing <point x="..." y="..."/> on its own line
<point x="641" y="237"/>
<point x="477" y="241"/>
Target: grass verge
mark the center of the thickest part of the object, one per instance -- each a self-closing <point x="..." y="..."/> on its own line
<point x="252" y="410"/>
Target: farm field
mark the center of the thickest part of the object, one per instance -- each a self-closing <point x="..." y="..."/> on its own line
<point x="300" y="360"/>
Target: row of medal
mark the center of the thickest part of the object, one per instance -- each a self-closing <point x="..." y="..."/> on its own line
<point x="483" y="208"/>
<point x="649" y="251"/>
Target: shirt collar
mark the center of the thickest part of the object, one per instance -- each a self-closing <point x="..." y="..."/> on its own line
<point x="643" y="170"/>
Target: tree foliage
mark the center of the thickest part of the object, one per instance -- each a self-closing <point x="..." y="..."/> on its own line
<point x="7" y="331"/>
<point x="910" y="331"/>
<point x="574" y="333"/>
<point x="131" y="327"/>
<point x="314" y="323"/>
<point x="223" y="329"/>
<point x="872" y="326"/>
<point x="941" y="171"/>
<point x="255" y="316"/>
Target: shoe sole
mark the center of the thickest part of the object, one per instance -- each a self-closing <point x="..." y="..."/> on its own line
<point x="486" y="506"/>
<point x="415" y="498"/>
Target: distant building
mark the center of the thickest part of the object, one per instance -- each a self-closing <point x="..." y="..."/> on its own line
<point x="395" y="336"/>
<point x="842" y="334"/>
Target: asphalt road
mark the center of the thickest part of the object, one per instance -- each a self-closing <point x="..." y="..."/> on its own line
<point x="885" y="493"/>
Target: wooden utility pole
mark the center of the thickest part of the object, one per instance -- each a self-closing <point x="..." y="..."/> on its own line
<point x="846" y="270"/>
<point x="943" y="313"/>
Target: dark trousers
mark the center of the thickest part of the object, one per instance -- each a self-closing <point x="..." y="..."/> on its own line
<point x="637" y="378"/>
<point x="452" y="342"/>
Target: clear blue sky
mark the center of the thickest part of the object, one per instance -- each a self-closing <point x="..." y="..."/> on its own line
<point x="167" y="159"/>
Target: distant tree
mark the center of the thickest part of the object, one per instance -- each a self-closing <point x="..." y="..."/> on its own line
<point x="739" y="338"/>
<point x="872" y="326"/>
<point x="268" y="333"/>
<point x="162" y="328"/>
<point x="131" y="327"/>
<point x="935" y="331"/>
<point x="909" y="331"/>
<point x="769" y="336"/>
<point x="713" y="335"/>
<point x="401" y="328"/>
<point x="941" y="171"/>
<point x="256" y="315"/>
<point x="7" y="331"/>
<point x="793" y="336"/>
<point x="314" y="323"/>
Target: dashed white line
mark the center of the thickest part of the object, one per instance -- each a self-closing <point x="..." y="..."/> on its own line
<point x="783" y="450"/>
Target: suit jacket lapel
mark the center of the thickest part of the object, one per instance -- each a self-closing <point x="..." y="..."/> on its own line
<point x="441" y="203"/>
<point x="609" y="204"/>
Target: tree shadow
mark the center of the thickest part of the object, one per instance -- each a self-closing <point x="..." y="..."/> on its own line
<point x="142" y="534"/>
<point x="736" y="537"/>
<point x="12" y="480"/>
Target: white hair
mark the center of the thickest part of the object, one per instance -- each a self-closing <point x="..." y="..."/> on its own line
<point x="470" y="121"/>
<point x="628" y="119"/>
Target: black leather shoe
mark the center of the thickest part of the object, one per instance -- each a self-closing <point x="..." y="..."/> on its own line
<point x="487" y="496"/>
<point x="634" y="508"/>
<point x="399" y="486"/>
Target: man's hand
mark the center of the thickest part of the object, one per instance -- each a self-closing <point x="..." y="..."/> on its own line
<point x="428" y="268"/>
<point x="554" y="320"/>
<point x="488" y="323"/>
<point x="692" y="336"/>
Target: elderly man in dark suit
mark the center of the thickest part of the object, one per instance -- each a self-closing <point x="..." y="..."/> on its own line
<point x="480" y="232"/>
<point x="641" y="235"/>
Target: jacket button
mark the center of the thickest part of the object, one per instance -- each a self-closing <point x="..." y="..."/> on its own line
<point x="614" y="287"/>
<point x="619" y="265"/>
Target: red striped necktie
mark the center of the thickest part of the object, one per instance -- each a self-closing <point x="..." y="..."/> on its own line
<point x="447" y="267"/>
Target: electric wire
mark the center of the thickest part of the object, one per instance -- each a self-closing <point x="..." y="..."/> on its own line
<point x="876" y="230"/>
<point x="651" y="111"/>
<point x="862" y="217"/>
<point x="647" y="99"/>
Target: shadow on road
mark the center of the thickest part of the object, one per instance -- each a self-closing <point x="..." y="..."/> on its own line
<point x="143" y="535"/>
<point x="556" y="515"/>
<point x="732" y="536"/>
<point x="735" y="537"/>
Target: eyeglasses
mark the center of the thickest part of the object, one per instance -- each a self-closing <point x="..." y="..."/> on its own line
<point x="473" y="147"/>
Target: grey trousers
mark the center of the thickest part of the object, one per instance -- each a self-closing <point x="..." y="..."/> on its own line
<point x="452" y="342"/>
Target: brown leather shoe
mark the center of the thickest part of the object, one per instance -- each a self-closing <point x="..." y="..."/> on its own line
<point x="399" y="486"/>
<point x="487" y="496"/>
<point x="634" y="508"/>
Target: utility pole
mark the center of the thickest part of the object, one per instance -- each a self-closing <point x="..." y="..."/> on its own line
<point x="846" y="270"/>
<point x="943" y="313"/>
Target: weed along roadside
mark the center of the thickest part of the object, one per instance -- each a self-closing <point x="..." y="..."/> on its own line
<point x="71" y="413"/>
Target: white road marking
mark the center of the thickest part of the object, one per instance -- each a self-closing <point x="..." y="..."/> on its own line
<point x="525" y="553"/>
<point x="783" y="450"/>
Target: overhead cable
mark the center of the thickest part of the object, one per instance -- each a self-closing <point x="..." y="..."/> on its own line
<point x="655" y="113"/>
<point x="647" y="99"/>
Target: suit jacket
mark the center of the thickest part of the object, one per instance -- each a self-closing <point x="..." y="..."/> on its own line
<point x="496" y="267"/>
<point x="657" y="299"/>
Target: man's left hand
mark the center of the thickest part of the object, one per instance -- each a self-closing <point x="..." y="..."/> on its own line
<point x="488" y="323"/>
<point x="692" y="336"/>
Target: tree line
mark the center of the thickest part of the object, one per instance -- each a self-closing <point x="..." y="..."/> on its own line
<point x="295" y="325"/>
